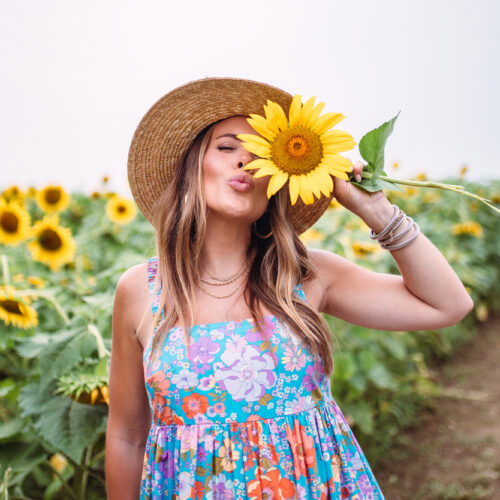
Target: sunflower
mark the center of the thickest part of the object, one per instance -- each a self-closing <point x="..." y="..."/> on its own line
<point x="121" y="210"/>
<point x="469" y="227"/>
<point x="14" y="311"/>
<point x="311" y="236"/>
<point x="13" y="194"/>
<point x="52" y="199"/>
<point x="14" y="223"/>
<point x="53" y="244"/>
<point x="363" y="248"/>
<point x="302" y="149"/>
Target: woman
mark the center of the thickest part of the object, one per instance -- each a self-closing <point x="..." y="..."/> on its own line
<point x="245" y="411"/>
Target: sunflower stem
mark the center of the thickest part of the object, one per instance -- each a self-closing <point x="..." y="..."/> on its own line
<point x="5" y="270"/>
<point x="101" y="349"/>
<point x="46" y="296"/>
<point x="438" y="185"/>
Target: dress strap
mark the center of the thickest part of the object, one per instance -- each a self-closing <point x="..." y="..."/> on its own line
<point x="299" y="290"/>
<point x="154" y="289"/>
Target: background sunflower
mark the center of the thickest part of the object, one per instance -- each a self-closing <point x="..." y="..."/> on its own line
<point x="52" y="199"/>
<point x="121" y="210"/>
<point x="53" y="244"/>
<point x="14" y="223"/>
<point x="14" y="311"/>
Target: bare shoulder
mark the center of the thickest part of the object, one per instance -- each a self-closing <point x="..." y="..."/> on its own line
<point x="132" y="297"/>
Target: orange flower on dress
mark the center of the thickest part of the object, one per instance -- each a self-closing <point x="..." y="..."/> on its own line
<point x="159" y="382"/>
<point x="194" y="404"/>
<point x="303" y="451"/>
<point x="271" y="485"/>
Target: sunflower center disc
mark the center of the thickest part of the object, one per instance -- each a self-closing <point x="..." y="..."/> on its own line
<point x="52" y="196"/>
<point x="11" y="306"/>
<point x="9" y="222"/>
<point x="297" y="150"/>
<point x="50" y="240"/>
<point x="121" y="209"/>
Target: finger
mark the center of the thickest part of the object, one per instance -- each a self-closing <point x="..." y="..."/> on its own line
<point x="357" y="170"/>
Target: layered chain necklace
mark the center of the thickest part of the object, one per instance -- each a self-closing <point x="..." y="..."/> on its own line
<point x="224" y="282"/>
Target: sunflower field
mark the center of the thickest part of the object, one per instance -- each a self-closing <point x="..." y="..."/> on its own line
<point x="61" y="257"/>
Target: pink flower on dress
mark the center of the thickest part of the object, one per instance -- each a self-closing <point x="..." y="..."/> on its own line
<point x="294" y="358"/>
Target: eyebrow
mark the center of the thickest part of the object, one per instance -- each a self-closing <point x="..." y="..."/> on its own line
<point x="228" y="135"/>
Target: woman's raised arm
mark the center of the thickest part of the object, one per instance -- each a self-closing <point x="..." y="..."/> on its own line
<point x="427" y="295"/>
<point x="129" y="414"/>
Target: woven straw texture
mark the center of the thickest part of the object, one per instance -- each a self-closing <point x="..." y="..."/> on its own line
<point x="172" y="123"/>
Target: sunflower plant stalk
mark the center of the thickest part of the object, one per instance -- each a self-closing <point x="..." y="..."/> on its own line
<point x="371" y="148"/>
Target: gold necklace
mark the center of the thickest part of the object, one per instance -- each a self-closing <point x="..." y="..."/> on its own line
<point x="222" y="296"/>
<point x="227" y="281"/>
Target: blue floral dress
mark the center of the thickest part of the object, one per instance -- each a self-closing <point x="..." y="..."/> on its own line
<point x="246" y="417"/>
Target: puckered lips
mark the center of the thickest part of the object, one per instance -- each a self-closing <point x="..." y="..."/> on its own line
<point x="241" y="182"/>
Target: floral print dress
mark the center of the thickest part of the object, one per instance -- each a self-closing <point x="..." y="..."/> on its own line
<point x="246" y="416"/>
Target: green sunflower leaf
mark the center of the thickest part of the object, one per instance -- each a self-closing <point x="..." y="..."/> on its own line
<point x="371" y="148"/>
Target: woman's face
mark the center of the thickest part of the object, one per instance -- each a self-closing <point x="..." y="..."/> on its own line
<point x="229" y="190"/>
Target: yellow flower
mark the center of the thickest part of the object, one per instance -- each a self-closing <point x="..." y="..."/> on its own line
<point x="13" y="194"/>
<point x="395" y="165"/>
<point x="362" y="248"/>
<point x="431" y="197"/>
<point x="463" y="171"/>
<point x="52" y="199"/>
<point x="58" y="462"/>
<point x="16" y="278"/>
<point x="121" y="210"/>
<point x="53" y="244"/>
<point x="495" y="198"/>
<point x="14" y="311"/>
<point x="36" y="281"/>
<point x="470" y="227"/>
<point x="421" y="176"/>
<point x="334" y="204"/>
<point x="302" y="150"/>
<point x="31" y="193"/>
<point x="311" y="235"/>
<point x="14" y="223"/>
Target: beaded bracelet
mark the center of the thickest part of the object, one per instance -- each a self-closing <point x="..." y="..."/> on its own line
<point x="390" y="235"/>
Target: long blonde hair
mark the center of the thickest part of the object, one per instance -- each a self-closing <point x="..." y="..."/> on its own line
<point x="280" y="262"/>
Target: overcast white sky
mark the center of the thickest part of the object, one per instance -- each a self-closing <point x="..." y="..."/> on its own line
<point x="77" y="77"/>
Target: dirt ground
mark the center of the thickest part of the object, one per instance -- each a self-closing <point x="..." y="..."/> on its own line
<point x="454" y="453"/>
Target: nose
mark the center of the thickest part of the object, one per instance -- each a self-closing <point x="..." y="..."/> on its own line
<point x="245" y="157"/>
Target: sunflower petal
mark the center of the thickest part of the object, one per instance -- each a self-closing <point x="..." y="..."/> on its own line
<point x="336" y="141"/>
<point x="305" y="190"/>
<point x="315" y="114"/>
<point x="312" y="180"/>
<point x="262" y="126"/>
<point x="294" y="113"/>
<point x="276" y="116"/>
<point x="324" y="180"/>
<point x="276" y="182"/>
<point x="261" y="165"/>
<point x="306" y="112"/>
<point x="337" y="162"/>
<point x="294" y="188"/>
<point x="326" y="122"/>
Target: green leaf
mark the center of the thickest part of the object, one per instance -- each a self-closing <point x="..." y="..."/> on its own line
<point x="371" y="148"/>
<point x="381" y="377"/>
<point x="10" y="429"/>
<point x="70" y="426"/>
<point x="377" y="185"/>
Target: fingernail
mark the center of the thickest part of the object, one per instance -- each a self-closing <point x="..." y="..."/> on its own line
<point x="358" y="177"/>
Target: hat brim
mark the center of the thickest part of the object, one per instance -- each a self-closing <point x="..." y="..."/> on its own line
<point x="170" y="126"/>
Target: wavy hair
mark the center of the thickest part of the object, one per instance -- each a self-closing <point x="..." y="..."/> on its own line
<point x="280" y="262"/>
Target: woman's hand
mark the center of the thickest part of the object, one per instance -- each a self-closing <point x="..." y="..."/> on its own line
<point x="374" y="208"/>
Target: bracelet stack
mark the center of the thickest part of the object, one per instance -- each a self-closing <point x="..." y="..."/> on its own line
<point x="399" y="226"/>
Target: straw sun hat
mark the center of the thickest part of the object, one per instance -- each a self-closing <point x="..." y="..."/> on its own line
<point x="167" y="130"/>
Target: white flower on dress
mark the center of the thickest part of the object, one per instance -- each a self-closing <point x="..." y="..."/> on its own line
<point x="185" y="378"/>
<point x="247" y="374"/>
<point x="300" y="404"/>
